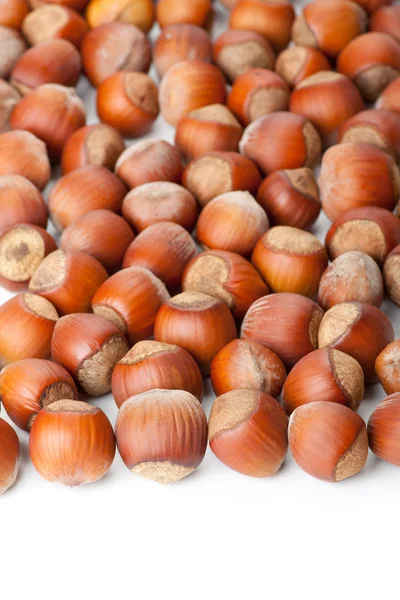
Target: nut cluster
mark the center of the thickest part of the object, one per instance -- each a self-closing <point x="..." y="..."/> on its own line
<point x="177" y="261"/>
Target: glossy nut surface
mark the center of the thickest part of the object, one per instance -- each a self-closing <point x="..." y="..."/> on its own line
<point x="387" y="367"/>
<point x="299" y="62"/>
<point x="22" y="153"/>
<point x="378" y="127"/>
<point x="178" y="42"/>
<point x="21" y="202"/>
<point x="9" y="456"/>
<point x="49" y="22"/>
<point x="384" y="430"/>
<point x="136" y="12"/>
<point x="391" y="272"/>
<point x="96" y="145"/>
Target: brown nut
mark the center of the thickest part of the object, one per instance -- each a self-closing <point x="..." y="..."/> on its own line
<point x="386" y="19"/>
<point x="13" y="13"/>
<point x="94" y="145"/>
<point x="389" y="99"/>
<point x="9" y="456"/>
<point x="378" y="127"/>
<point x="22" y="153"/>
<point x="383" y="430"/>
<point x="299" y="62"/>
<point x="12" y="46"/>
<point x="21" y="202"/>
<point x="50" y="22"/>
<point x="178" y="42"/>
<point x="114" y="47"/>
<point x="391" y="274"/>
<point x="387" y="367"/>
<point x="136" y="12"/>
<point x="196" y="12"/>
<point x="9" y="98"/>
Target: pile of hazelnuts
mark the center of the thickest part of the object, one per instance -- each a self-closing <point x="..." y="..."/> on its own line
<point x="127" y="303"/>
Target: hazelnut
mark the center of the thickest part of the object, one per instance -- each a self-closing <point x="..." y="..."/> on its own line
<point x="22" y="153"/>
<point x="9" y="98"/>
<point x="360" y="330"/>
<point x="200" y="324"/>
<point x="28" y="385"/>
<point x="178" y="42"/>
<point x="21" y="202"/>
<point x="325" y="375"/>
<point x="387" y="367"/>
<point x="328" y="440"/>
<point x="195" y="12"/>
<point x="352" y="277"/>
<point x="290" y="260"/>
<point x="55" y="61"/>
<point x="147" y="161"/>
<point x="22" y="248"/>
<point x="114" y="47"/>
<point x="12" y="46"/>
<point x="83" y="190"/>
<point x="384" y="431"/>
<point x="131" y="299"/>
<point x="199" y="84"/>
<point x="357" y="175"/>
<point x="78" y="5"/>
<point x="248" y="432"/>
<point x="299" y="62"/>
<point x="226" y="276"/>
<point x="72" y="443"/>
<point x="89" y="347"/>
<point x="136" y="12"/>
<point x="386" y="19"/>
<point x="232" y="221"/>
<point x="162" y="434"/>
<point x="256" y="93"/>
<point x="389" y="98"/>
<point x="329" y="25"/>
<point x="290" y="197"/>
<point x="69" y="279"/>
<point x="372" y="61"/>
<point x="153" y="365"/>
<point x="372" y="230"/>
<point x="13" y="13"/>
<point x="160" y="201"/>
<point x="391" y="273"/>
<point x="281" y="140"/>
<point x="236" y="51"/>
<point x="27" y="323"/>
<point x="245" y="365"/>
<point x="271" y="19"/>
<point x="286" y="323"/>
<point x="128" y="102"/>
<point x="9" y="456"/>
<point x="217" y="173"/>
<point x="372" y="6"/>
<point x="380" y="128"/>
<point x="94" y="145"/>
<point x="165" y="249"/>
<point x="100" y="233"/>
<point x="67" y="115"/>
<point x="50" y="22"/>
<point x="326" y="99"/>
<point x="206" y="129"/>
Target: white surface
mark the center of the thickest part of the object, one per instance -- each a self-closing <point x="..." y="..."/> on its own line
<point x="217" y="534"/>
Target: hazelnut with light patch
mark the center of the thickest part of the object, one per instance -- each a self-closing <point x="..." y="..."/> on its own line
<point x="10" y="452"/>
<point x="9" y="97"/>
<point x="196" y="12"/>
<point x="384" y="430"/>
<point x="387" y="367"/>
<point x="380" y="128"/>
<point x="389" y="98"/>
<point x="178" y="42"/>
<point x="136" y="12"/>
<point x="391" y="274"/>
<point x="299" y="62"/>
<point x="21" y="202"/>
<point x="96" y="145"/>
<point x="22" y="153"/>
<point x="12" y="47"/>
<point x="50" y="22"/>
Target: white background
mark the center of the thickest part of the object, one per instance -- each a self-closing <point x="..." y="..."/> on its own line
<point x="216" y="534"/>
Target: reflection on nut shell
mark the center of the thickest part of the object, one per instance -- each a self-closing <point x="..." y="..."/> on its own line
<point x="197" y="322"/>
<point x="226" y="276"/>
<point x="328" y="440"/>
<point x="137" y="12"/>
<point x="298" y="62"/>
<point x="22" y="153"/>
<point x="22" y="249"/>
<point x="275" y="319"/>
<point x="72" y="443"/>
<point x="102" y="234"/>
<point x="324" y="375"/>
<point x="384" y="430"/>
<point x="387" y="367"/>
<point x="217" y="173"/>
<point x="9" y="456"/>
<point x="153" y="365"/>
<point x="27" y="323"/>
<point x="353" y="276"/>
<point x="243" y="364"/>
<point x="378" y="127"/>
<point x="233" y="222"/>
<point x="248" y="432"/>
<point x="389" y="99"/>
<point x="21" y="202"/>
<point x="281" y="140"/>
<point x="83" y="190"/>
<point x="131" y="300"/>
<point x="199" y="84"/>
<point x="372" y="230"/>
<point x="391" y="274"/>
<point x="54" y="22"/>
<point x="290" y="197"/>
<point x="94" y="145"/>
<point x="326" y="99"/>
<point x="162" y="434"/>
<point x="114" y="47"/>
<point x="89" y="347"/>
<point x="178" y="42"/>
<point x="290" y="260"/>
<point x="69" y="279"/>
<point x="196" y="12"/>
<point x="373" y="174"/>
<point x="12" y="14"/>
<point x="163" y="248"/>
<point x="347" y="326"/>
<point x="236" y="51"/>
<point x="28" y="385"/>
